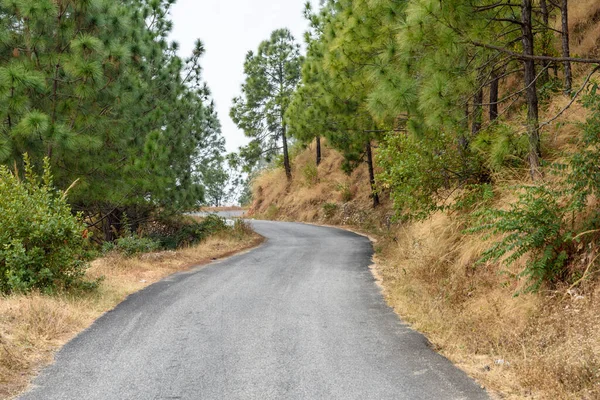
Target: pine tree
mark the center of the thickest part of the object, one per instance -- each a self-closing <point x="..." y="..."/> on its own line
<point x="272" y="75"/>
<point x="95" y="86"/>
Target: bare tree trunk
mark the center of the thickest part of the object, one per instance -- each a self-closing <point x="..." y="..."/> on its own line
<point x="374" y="194"/>
<point x="566" y="50"/>
<point x="477" y="112"/>
<point x="318" y="150"/>
<point x="110" y="226"/>
<point x="494" y="86"/>
<point x="533" y="131"/>
<point x="286" y="156"/>
<point x="546" y="40"/>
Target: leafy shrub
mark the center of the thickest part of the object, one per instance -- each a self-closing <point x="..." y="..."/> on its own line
<point x="500" y="147"/>
<point x="330" y="209"/>
<point x="242" y="229"/>
<point x="173" y="233"/>
<point x="42" y="243"/>
<point x="584" y="176"/>
<point x="474" y="197"/>
<point x="549" y="224"/>
<point x="419" y="171"/>
<point x="131" y="245"/>
<point x="271" y="212"/>
<point x="535" y="225"/>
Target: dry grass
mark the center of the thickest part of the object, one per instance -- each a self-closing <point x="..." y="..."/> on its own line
<point x="304" y="197"/>
<point x="584" y="16"/>
<point x="33" y="327"/>
<point x="534" y="346"/>
<point x="549" y="343"/>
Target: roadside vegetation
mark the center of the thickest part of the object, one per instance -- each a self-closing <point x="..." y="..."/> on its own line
<point x="464" y="137"/>
<point x="34" y="325"/>
<point x="108" y="137"/>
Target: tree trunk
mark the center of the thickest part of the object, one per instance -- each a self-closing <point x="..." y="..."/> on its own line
<point x="566" y="51"/>
<point x="531" y="91"/>
<point x="318" y="150"/>
<point x="494" y="86"/>
<point x="546" y="40"/>
<point x="110" y="226"/>
<point x="286" y="155"/>
<point x="374" y="194"/>
<point x="477" y="112"/>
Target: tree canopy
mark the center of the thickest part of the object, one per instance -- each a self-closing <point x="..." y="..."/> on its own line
<point x="96" y="87"/>
<point x="272" y="75"/>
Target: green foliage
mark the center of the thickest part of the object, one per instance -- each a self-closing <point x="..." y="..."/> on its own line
<point x="167" y="234"/>
<point x="241" y="229"/>
<point x="329" y="209"/>
<point x="272" y="74"/>
<point x="345" y="192"/>
<point x="131" y="245"/>
<point x="500" y="147"/>
<point x="474" y="197"/>
<point x="174" y="233"/>
<point x="549" y="224"/>
<point x="272" y="212"/>
<point x="96" y="87"/>
<point x="585" y="175"/>
<point x="535" y="225"/>
<point x="41" y="242"/>
<point x="419" y="173"/>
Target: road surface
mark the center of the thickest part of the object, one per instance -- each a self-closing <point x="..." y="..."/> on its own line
<point x="297" y="318"/>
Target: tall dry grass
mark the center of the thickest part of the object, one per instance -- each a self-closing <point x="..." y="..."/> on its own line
<point x="534" y="346"/>
<point x="33" y="327"/>
<point x="542" y="346"/>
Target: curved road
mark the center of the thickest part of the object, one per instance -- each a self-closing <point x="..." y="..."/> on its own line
<point x="298" y="318"/>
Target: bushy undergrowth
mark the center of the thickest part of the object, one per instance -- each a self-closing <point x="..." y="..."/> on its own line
<point x="131" y="245"/>
<point x="551" y="224"/>
<point x="42" y="244"/>
<point x="534" y="225"/>
<point x="167" y="234"/>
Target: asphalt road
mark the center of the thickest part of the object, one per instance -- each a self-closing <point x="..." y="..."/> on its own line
<point x="298" y="318"/>
<point x="224" y="214"/>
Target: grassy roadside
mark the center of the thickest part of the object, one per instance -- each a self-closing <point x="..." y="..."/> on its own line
<point x="33" y="327"/>
<point x="543" y="345"/>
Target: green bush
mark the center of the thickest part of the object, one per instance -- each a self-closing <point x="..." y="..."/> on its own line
<point x="173" y="233"/>
<point x="419" y="172"/>
<point x="132" y="245"/>
<point x="42" y="243"/>
<point x="536" y="225"/>
<point x="473" y="197"/>
<point x="501" y="147"/>
<point x="330" y="209"/>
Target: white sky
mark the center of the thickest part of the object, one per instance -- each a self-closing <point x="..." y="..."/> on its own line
<point x="229" y="29"/>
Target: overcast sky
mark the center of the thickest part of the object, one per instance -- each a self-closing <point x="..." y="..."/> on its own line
<point x="228" y="29"/>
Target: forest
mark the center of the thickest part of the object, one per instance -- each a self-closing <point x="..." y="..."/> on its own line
<point x="444" y="101"/>
<point x="94" y="98"/>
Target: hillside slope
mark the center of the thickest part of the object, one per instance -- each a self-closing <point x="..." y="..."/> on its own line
<point x="520" y="345"/>
<point x="534" y="346"/>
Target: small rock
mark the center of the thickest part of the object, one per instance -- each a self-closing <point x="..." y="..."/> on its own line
<point x="143" y="281"/>
<point x="501" y="362"/>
